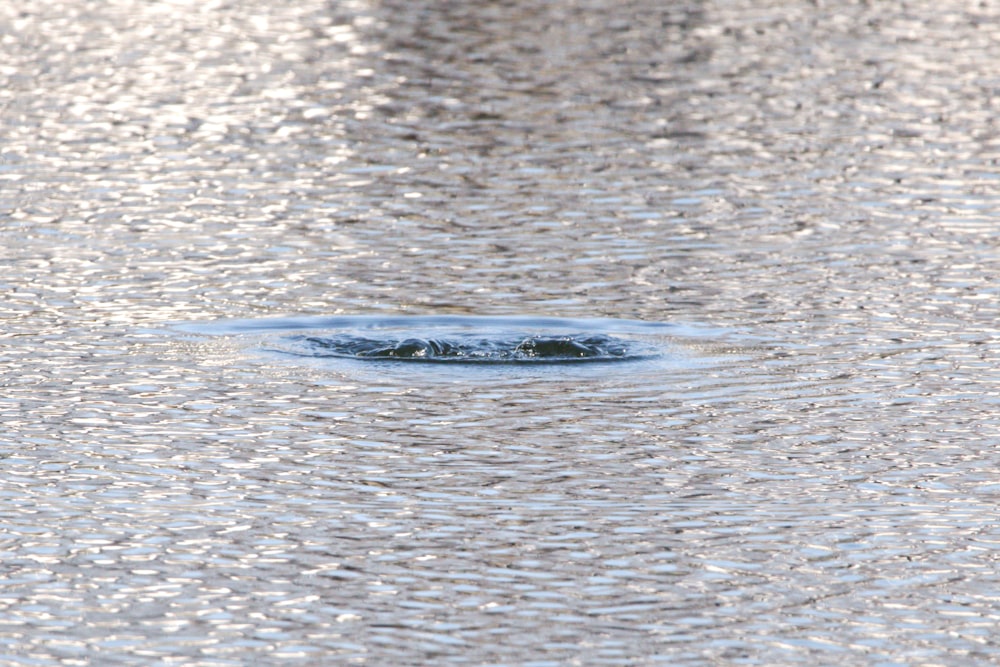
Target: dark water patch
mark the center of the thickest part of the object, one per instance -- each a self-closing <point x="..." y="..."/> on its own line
<point x="550" y="344"/>
<point x="473" y="348"/>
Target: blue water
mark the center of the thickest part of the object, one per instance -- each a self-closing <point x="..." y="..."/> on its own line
<point x="423" y="323"/>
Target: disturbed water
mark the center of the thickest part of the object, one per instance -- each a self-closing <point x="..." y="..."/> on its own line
<point x="474" y="349"/>
<point x="772" y="222"/>
<point x="453" y="339"/>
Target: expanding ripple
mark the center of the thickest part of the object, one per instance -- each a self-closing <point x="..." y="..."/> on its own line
<point x="453" y="339"/>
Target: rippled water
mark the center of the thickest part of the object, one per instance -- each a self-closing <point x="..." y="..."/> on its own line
<point x="796" y="198"/>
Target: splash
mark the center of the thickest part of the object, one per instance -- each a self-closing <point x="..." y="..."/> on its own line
<point x="470" y="348"/>
<point x="454" y="339"/>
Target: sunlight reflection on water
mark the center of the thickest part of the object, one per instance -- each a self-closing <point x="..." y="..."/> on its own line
<point x="807" y="477"/>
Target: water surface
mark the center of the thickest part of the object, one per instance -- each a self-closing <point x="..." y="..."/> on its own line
<point x="797" y="198"/>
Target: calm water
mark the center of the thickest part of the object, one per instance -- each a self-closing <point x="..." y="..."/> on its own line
<point x="798" y="199"/>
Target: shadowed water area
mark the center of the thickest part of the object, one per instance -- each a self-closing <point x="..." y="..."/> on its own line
<point x="451" y="339"/>
<point x="727" y="270"/>
<point x="555" y="349"/>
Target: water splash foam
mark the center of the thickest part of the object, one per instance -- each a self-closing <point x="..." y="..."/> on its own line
<point x="471" y="348"/>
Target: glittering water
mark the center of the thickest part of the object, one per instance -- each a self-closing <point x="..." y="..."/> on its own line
<point x="801" y="471"/>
